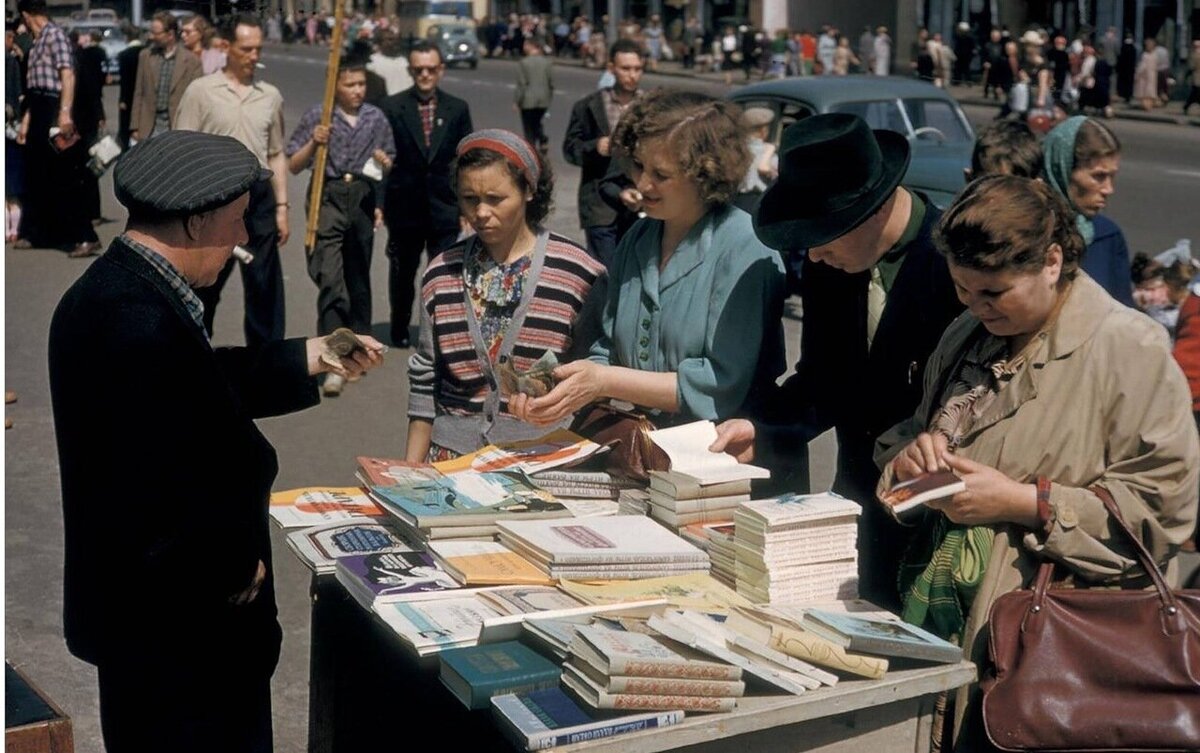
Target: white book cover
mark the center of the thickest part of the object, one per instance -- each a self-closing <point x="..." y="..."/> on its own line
<point x="621" y="652"/>
<point x="791" y="509"/>
<point x="616" y="539"/>
<point x="434" y="624"/>
<point x="312" y="506"/>
<point x="687" y="447"/>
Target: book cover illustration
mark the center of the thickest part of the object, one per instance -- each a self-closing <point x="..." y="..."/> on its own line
<point x="880" y="632"/>
<point x="554" y="450"/>
<point x="389" y="573"/>
<point x="374" y="471"/>
<point x="466" y="493"/>
<point x="920" y="489"/>
<point x="322" y="546"/>
<point x="311" y="506"/>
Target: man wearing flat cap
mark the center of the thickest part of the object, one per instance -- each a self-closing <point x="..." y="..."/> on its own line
<point x="168" y="584"/>
<point x="877" y="296"/>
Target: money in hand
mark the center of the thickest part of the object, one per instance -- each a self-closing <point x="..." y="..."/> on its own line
<point x="536" y="381"/>
<point x="341" y="343"/>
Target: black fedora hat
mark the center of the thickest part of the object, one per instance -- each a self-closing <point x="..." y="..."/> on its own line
<point x="834" y="173"/>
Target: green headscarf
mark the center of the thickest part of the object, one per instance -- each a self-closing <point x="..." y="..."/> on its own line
<point x="1058" y="154"/>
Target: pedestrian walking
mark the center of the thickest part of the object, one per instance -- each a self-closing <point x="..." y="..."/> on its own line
<point x="964" y="53"/>
<point x="588" y="145"/>
<point x="201" y="39"/>
<point x="88" y="114"/>
<point x="127" y="66"/>
<point x="164" y="72"/>
<point x="53" y="214"/>
<point x="534" y="94"/>
<point x="866" y="49"/>
<point x="1127" y="61"/>
<point x="192" y="674"/>
<point x="1145" y="84"/>
<point x="420" y="208"/>
<point x="360" y="148"/>
<point x="881" y="55"/>
<point x="233" y="102"/>
<point x="14" y="153"/>
<point x="993" y="65"/>
<point x="844" y="59"/>
<point x="388" y="62"/>
<point x="1194" y="93"/>
<point x="827" y="48"/>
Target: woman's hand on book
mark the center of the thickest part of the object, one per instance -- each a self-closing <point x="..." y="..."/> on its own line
<point x="735" y="437"/>
<point x="990" y="497"/>
<point x="925" y="454"/>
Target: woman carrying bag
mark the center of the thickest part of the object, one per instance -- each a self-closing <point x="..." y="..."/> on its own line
<point x="1044" y="397"/>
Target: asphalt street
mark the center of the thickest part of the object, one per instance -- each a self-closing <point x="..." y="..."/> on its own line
<point x="1155" y="205"/>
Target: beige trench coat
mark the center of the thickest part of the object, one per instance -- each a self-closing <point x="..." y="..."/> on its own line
<point x="1101" y="402"/>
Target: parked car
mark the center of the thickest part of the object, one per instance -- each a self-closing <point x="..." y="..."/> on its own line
<point x="458" y="42"/>
<point x="939" y="133"/>
<point x="108" y="35"/>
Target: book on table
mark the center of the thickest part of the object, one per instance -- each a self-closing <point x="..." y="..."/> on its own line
<point x="560" y="448"/>
<point x="466" y="498"/>
<point x="386" y="576"/>
<point x="373" y="471"/>
<point x="485" y="563"/>
<point x="549" y="718"/>
<point x="658" y="685"/>
<point x="677" y="520"/>
<point x="864" y="627"/>
<point x="918" y="490"/>
<point x="477" y="673"/>
<point x="312" y="506"/>
<point x="688" y="591"/>
<point x="697" y="504"/>
<point x="785" y="635"/>
<point x="591" y="694"/>
<point x="680" y="486"/>
<point x="509" y="626"/>
<point x="620" y="539"/>
<point x="436" y="623"/>
<point x="320" y="547"/>
<point x="621" y="652"/>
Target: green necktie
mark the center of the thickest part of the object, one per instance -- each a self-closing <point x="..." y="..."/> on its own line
<point x="876" y="300"/>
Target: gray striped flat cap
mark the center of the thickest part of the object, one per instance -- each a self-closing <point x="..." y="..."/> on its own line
<point x="184" y="173"/>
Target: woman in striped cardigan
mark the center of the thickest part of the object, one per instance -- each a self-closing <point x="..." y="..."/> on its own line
<point x="509" y="293"/>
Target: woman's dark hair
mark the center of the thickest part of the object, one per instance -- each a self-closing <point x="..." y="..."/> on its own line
<point x="1007" y="147"/>
<point x="1143" y="269"/>
<point x="1007" y="223"/>
<point x="1094" y="141"/>
<point x="538" y="208"/>
<point x="704" y="133"/>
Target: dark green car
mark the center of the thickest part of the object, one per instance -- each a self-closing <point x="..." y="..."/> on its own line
<point x="936" y="128"/>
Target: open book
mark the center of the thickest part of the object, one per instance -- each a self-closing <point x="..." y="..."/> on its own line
<point x="687" y="447"/>
<point x="921" y="489"/>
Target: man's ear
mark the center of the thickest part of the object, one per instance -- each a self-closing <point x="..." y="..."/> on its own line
<point x="194" y="224"/>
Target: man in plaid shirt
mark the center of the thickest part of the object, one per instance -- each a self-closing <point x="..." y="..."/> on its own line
<point x="55" y="214"/>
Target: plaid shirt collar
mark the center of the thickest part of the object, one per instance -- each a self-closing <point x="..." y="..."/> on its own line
<point x="191" y="301"/>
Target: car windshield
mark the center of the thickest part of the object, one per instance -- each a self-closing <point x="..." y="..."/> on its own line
<point x="929" y="118"/>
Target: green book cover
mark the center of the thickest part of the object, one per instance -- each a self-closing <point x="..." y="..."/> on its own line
<point x="476" y="673"/>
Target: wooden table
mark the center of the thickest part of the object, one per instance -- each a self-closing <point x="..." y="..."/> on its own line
<point x="368" y="689"/>
<point x="32" y="722"/>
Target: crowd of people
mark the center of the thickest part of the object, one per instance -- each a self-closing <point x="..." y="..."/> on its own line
<point x="997" y="339"/>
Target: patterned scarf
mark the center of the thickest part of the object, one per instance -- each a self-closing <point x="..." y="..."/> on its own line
<point x="1058" y="154"/>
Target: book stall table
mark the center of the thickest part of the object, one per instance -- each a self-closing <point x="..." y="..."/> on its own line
<point x="367" y="690"/>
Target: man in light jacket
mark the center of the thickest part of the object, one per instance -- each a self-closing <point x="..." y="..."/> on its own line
<point x="535" y="91"/>
<point x="164" y="70"/>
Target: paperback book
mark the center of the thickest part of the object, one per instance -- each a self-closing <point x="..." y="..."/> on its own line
<point x="687" y="447"/>
<point x="594" y="696"/>
<point x="621" y="652"/>
<point x="432" y="625"/>
<point x="320" y="547"/>
<point x="485" y="563"/>
<point x="312" y="506"/>
<point x="876" y="631"/>
<point x="466" y="498"/>
<point x="623" y="539"/>
<point x="477" y="673"/>
<point x="382" y="576"/>
<point x="680" y="486"/>
<point x="924" y="488"/>
<point x="549" y="718"/>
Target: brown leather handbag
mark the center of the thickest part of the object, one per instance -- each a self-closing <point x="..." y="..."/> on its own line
<point x="1095" y="670"/>
<point x="632" y="453"/>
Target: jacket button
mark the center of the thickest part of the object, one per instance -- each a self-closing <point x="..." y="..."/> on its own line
<point x="644" y="341"/>
<point x="644" y="357"/>
<point x="645" y="324"/>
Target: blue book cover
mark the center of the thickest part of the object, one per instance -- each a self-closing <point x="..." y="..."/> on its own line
<point x="548" y="718"/>
<point x="476" y="673"/>
<point x="463" y="496"/>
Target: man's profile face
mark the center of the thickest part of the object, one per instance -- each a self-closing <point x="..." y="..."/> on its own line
<point x="426" y="69"/>
<point x="244" y="51"/>
<point x="627" y="68"/>
<point x="219" y="231"/>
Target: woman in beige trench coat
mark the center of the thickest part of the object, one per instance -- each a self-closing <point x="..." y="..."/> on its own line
<point x="1045" y="384"/>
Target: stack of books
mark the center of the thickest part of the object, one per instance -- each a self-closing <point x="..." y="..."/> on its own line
<point x="633" y="502"/>
<point x="797" y="548"/>
<point x="374" y="579"/>
<point x="718" y="540"/>
<point x="618" y="669"/>
<point x="485" y="563"/>
<point x="608" y="548"/>
<point x="320" y="547"/>
<point x="573" y="484"/>
<point x="679" y="499"/>
<point x="549" y="718"/>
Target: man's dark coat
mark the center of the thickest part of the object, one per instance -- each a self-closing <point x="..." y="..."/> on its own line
<point x="588" y="124"/>
<point x="839" y="384"/>
<point x="165" y="477"/>
<point x="420" y="194"/>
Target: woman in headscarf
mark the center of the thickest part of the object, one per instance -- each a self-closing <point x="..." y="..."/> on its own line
<point x="1082" y="159"/>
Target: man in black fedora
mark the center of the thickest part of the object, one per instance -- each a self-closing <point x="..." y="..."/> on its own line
<point x="167" y="577"/>
<point x="877" y="296"/>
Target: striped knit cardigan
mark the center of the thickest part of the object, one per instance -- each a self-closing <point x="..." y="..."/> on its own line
<point x="448" y="381"/>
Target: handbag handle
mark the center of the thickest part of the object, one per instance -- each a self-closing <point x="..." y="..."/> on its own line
<point x="1172" y="618"/>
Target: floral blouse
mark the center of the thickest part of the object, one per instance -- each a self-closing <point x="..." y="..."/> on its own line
<point x="495" y="291"/>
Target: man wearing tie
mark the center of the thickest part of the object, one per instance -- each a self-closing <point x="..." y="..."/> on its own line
<point x="420" y="207"/>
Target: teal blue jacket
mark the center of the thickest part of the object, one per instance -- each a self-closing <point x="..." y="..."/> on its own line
<point x="713" y="316"/>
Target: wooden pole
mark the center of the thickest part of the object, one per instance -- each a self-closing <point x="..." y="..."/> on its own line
<point x="322" y="155"/>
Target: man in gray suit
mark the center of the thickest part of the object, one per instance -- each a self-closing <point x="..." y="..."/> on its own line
<point x="535" y="90"/>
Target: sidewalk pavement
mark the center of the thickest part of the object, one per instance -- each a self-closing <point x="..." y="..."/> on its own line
<point x="967" y="95"/>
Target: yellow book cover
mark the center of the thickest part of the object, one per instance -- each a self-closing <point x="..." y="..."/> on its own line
<point x="486" y="563"/>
